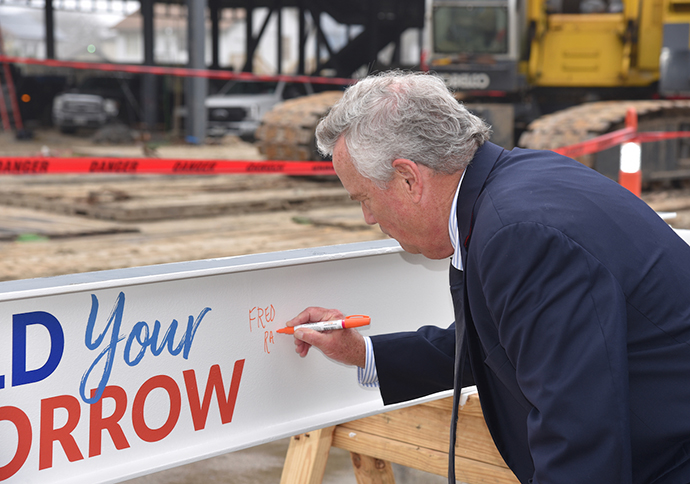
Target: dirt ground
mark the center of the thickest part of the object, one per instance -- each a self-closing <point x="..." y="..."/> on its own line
<point x="60" y="224"/>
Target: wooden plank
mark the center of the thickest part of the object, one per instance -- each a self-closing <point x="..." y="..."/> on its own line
<point x="352" y="220"/>
<point x="471" y="406"/>
<point x="306" y="458"/>
<point x="369" y="470"/>
<point x="17" y="223"/>
<point x="174" y="241"/>
<point x="135" y="204"/>
<point x="153" y="186"/>
<point x="666" y="204"/>
<point x="428" y="426"/>
<point x="209" y="204"/>
<point x="419" y="457"/>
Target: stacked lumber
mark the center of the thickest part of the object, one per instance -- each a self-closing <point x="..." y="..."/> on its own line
<point x="52" y="225"/>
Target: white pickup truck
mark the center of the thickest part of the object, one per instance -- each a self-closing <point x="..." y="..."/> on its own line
<point x="94" y="103"/>
<point x="239" y="105"/>
<point x="76" y="110"/>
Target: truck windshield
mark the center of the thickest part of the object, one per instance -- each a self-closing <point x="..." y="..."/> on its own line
<point x="470" y="30"/>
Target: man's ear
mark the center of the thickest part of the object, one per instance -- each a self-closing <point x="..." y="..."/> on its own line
<point x="408" y="173"/>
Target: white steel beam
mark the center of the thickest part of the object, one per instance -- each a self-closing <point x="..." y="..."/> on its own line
<point x="154" y="341"/>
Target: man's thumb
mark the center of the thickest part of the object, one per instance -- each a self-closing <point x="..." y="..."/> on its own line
<point x="308" y="336"/>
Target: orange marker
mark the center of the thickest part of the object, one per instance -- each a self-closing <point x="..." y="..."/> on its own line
<point x="349" y="322"/>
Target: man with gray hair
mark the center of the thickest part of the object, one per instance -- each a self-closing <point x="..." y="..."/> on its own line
<point x="571" y="296"/>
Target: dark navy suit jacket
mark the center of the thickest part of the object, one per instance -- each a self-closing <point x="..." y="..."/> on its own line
<point x="577" y="301"/>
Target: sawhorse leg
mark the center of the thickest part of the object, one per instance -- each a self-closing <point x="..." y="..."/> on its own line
<point x="307" y="455"/>
<point x="306" y="458"/>
<point x="369" y="470"/>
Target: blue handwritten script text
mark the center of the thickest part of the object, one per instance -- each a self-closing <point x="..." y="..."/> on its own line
<point x="140" y="338"/>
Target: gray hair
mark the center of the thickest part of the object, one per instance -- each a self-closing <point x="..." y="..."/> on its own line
<point x="402" y="115"/>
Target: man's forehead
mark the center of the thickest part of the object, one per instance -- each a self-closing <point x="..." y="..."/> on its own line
<point x="356" y="184"/>
<point x="340" y="148"/>
<point x="343" y="163"/>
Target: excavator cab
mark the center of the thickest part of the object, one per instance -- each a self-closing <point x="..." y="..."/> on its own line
<point x="473" y="44"/>
<point x="675" y="51"/>
<point x="470" y="31"/>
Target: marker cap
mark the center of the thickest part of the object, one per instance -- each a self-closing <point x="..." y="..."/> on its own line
<point x="356" y="321"/>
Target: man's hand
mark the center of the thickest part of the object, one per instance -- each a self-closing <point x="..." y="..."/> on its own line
<point x="346" y="345"/>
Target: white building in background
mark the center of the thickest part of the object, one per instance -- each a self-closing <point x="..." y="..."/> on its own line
<point x="23" y="33"/>
<point x="114" y="38"/>
<point x="170" y="39"/>
<point x="78" y="35"/>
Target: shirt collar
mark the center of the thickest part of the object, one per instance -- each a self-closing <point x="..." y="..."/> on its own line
<point x="456" y="258"/>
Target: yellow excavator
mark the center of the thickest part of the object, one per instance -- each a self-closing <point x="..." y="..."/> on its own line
<point x="545" y="74"/>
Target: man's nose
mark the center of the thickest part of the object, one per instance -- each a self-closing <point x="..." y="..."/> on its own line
<point x="368" y="216"/>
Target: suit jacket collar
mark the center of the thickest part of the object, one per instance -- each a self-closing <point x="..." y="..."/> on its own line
<point x="476" y="174"/>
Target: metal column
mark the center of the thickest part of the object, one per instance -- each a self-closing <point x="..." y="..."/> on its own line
<point x="149" y="95"/>
<point x="279" y="37"/>
<point x="249" y="44"/>
<point x="302" y="39"/>
<point x="197" y="87"/>
<point x="215" y="14"/>
<point x="49" y="13"/>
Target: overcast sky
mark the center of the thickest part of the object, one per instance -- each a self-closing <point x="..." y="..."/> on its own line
<point x="103" y="18"/>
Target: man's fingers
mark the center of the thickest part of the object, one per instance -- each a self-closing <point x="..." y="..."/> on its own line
<point x="310" y="337"/>
<point x="346" y="346"/>
<point x="301" y="348"/>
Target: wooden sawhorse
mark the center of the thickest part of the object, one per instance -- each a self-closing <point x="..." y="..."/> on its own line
<point x="416" y="436"/>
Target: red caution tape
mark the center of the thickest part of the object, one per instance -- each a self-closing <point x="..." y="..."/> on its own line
<point x="600" y="143"/>
<point x="175" y="71"/>
<point x="646" y="137"/>
<point x="44" y="165"/>
<point x="609" y="140"/>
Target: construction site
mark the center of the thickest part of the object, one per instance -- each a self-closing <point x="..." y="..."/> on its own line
<point x="62" y="224"/>
<point x="59" y="224"/>
<point x="520" y="69"/>
<point x="65" y="224"/>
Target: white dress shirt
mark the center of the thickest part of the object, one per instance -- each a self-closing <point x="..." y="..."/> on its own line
<point x="367" y="376"/>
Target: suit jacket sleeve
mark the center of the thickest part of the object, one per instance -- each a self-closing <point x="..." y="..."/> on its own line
<point x="414" y="364"/>
<point x="559" y="315"/>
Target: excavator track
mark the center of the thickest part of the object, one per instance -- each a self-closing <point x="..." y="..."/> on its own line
<point x="287" y="131"/>
<point x="662" y="161"/>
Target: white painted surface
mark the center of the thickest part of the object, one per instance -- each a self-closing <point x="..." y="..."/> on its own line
<point x="279" y="393"/>
<point x="685" y="234"/>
